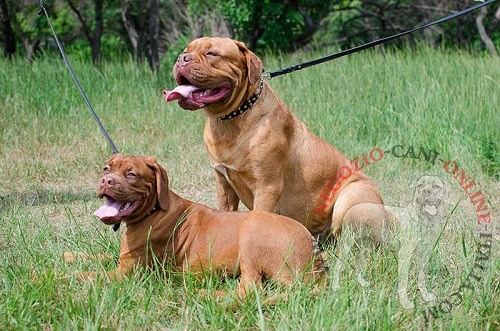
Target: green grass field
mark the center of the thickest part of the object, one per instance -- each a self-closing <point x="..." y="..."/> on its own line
<point x="52" y="152"/>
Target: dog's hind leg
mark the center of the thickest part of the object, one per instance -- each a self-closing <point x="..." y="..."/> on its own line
<point x="250" y="280"/>
<point x="425" y="250"/>
<point x="404" y="257"/>
<point x="423" y="272"/>
<point x="337" y="271"/>
<point x="351" y="251"/>
<point x="361" y="227"/>
<point x="422" y="287"/>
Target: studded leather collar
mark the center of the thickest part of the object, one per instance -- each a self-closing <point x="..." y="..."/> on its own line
<point x="155" y="209"/>
<point x="246" y="105"/>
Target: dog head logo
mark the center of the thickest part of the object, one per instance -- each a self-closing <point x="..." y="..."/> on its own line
<point x="428" y="196"/>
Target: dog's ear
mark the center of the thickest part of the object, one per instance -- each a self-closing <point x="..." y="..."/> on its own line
<point x="114" y="156"/>
<point x="445" y="187"/>
<point x="161" y="181"/>
<point x="254" y="64"/>
<point x="414" y="184"/>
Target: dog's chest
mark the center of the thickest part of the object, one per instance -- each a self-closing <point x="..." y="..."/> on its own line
<point x="223" y="168"/>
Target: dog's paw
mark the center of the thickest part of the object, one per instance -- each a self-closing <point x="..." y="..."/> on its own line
<point x="81" y="277"/>
<point x="69" y="257"/>
<point x="72" y="257"/>
<point x="335" y="284"/>
<point x="362" y="281"/>
<point x="427" y="296"/>
<point x="405" y="302"/>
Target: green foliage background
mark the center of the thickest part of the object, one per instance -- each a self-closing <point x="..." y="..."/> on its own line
<point x="269" y="25"/>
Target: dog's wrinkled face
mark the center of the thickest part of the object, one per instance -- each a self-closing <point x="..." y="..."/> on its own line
<point x="214" y="73"/>
<point x="132" y="185"/>
<point x="429" y="193"/>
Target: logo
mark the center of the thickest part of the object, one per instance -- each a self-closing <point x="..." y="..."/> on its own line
<point x="445" y="234"/>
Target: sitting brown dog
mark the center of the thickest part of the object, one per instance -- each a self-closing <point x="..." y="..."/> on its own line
<point x="194" y="237"/>
<point x="262" y="154"/>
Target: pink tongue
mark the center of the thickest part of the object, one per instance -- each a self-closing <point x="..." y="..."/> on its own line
<point x="180" y="92"/>
<point x="110" y="209"/>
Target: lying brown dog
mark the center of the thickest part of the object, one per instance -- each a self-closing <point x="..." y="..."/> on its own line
<point x="191" y="236"/>
<point x="262" y="153"/>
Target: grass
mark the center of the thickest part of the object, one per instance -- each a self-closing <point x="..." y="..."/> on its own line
<point x="52" y="152"/>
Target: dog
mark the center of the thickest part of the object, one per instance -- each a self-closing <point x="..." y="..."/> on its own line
<point x="163" y="227"/>
<point x="421" y="224"/>
<point x="262" y="154"/>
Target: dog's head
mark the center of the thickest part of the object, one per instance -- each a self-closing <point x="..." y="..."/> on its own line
<point x="429" y="194"/>
<point x="217" y="74"/>
<point x="133" y="187"/>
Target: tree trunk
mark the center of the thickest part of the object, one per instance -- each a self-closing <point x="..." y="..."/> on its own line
<point x="95" y="43"/>
<point x="30" y="46"/>
<point x="154" y="59"/>
<point x="310" y="28"/>
<point x="129" y="25"/>
<point x="142" y="23"/>
<point x="257" y="29"/>
<point x="9" y="40"/>
<point x="94" y="38"/>
<point x="482" y="32"/>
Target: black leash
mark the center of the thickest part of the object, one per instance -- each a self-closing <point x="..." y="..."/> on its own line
<point x="77" y="83"/>
<point x="268" y="75"/>
<point x="300" y="66"/>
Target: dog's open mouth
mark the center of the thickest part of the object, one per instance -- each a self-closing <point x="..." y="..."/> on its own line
<point x="431" y="206"/>
<point x="192" y="97"/>
<point x="114" y="211"/>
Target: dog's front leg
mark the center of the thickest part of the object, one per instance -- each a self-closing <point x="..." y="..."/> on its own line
<point x="423" y="270"/>
<point x="266" y="197"/>
<point x="405" y="255"/>
<point x="72" y="257"/>
<point x="227" y="199"/>
<point x="124" y="269"/>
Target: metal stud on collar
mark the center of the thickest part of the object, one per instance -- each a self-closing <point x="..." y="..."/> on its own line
<point x="155" y="208"/>
<point x="246" y="105"/>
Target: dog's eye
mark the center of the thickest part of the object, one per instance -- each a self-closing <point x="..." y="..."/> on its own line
<point x="131" y="175"/>
<point x="211" y="53"/>
<point x="106" y="169"/>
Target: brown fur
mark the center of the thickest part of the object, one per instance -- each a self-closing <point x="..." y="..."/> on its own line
<point x="267" y="157"/>
<point x="190" y="236"/>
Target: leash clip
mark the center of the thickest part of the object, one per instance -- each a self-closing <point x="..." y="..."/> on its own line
<point x="266" y="75"/>
<point x="42" y="7"/>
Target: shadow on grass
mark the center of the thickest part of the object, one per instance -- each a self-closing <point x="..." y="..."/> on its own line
<point x="40" y="197"/>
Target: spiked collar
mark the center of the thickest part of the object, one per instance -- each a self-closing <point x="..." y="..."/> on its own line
<point x="245" y="105"/>
<point x="155" y="208"/>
